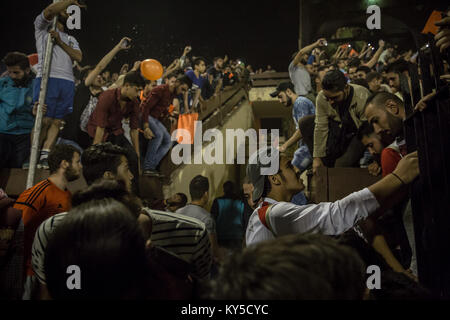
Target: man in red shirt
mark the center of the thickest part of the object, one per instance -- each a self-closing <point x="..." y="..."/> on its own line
<point x="386" y="113"/>
<point x="105" y="123"/>
<point x="154" y="108"/>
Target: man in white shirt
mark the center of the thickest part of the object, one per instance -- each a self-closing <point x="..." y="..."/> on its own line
<point x="275" y="216"/>
<point x="61" y="82"/>
<point x="299" y="70"/>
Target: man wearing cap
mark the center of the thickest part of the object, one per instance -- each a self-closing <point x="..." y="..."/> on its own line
<point x="301" y="107"/>
<point x="275" y="216"/>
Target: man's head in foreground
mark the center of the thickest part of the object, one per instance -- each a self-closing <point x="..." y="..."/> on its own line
<point x="295" y="267"/>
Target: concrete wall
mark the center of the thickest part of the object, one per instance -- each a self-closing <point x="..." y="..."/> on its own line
<point x="218" y="174"/>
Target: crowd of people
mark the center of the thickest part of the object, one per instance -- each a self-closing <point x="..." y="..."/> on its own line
<point x="88" y="105"/>
<point x="256" y="242"/>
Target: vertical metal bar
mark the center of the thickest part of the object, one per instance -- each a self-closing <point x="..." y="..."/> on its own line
<point x="40" y="115"/>
<point x="300" y="27"/>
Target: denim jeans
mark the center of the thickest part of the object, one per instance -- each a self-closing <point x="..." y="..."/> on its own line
<point x="158" y="146"/>
<point x="302" y="158"/>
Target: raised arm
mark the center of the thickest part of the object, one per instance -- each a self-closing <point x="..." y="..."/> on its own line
<point x="307" y="49"/>
<point x="186" y="51"/>
<point x="376" y="56"/>
<point x="175" y="65"/>
<point x="56" y="8"/>
<point x="106" y="61"/>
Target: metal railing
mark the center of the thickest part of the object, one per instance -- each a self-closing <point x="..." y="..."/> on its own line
<point x="429" y="133"/>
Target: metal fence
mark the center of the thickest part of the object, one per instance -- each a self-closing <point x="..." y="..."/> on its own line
<point x="429" y="133"/>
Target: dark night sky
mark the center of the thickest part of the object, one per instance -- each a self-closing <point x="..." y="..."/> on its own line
<point x="261" y="32"/>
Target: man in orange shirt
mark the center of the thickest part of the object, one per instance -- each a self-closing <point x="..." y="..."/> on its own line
<point x="48" y="198"/>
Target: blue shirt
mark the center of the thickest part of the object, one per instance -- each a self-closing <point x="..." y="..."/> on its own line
<point x="15" y="107"/>
<point x="302" y="107"/>
<point x="197" y="82"/>
<point x="229" y="216"/>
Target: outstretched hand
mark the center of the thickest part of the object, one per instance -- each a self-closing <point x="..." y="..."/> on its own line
<point x="321" y="42"/>
<point x="408" y="168"/>
<point x="136" y="66"/>
<point x="124" y="44"/>
<point x="443" y="36"/>
<point x="187" y="50"/>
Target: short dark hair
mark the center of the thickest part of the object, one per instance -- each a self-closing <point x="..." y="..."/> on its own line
<point x="365" y="130"/>
<point x="294" y="267"/>
<point x="98" y="159"/>
<point x="334" y="81"/>
<point x="185" y="80"/>
<point x="397" y="66"/>
<point x="361" y="82"/>
<point x="17" y="59"/>
<point x="365" y="69"/>
<point x="198" y="187"/>
<point x="199" y="60"/>
<point x="174" y="74"/>
<point x="184" y="199"/>
<point x="380" y="99"/>
<point x="354" y="62"/>
<point x="229" y="189"/>
<point x="321" y="68"/>
<point x="104" y="240"/>
<point x="373" y="75"/>
<point x="113" y="189"/>
<point x="216" y="59"/>
<point x="60" y="153"/>
<point x="134" y="78"/>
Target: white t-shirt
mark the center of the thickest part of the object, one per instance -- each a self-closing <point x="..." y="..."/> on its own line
<point x="330" y="218"/>
<point x="61" y="67"/>
<point x="301" y="79"/>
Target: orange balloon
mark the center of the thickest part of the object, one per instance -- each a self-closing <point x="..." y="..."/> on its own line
<point x="152" y="69"/>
